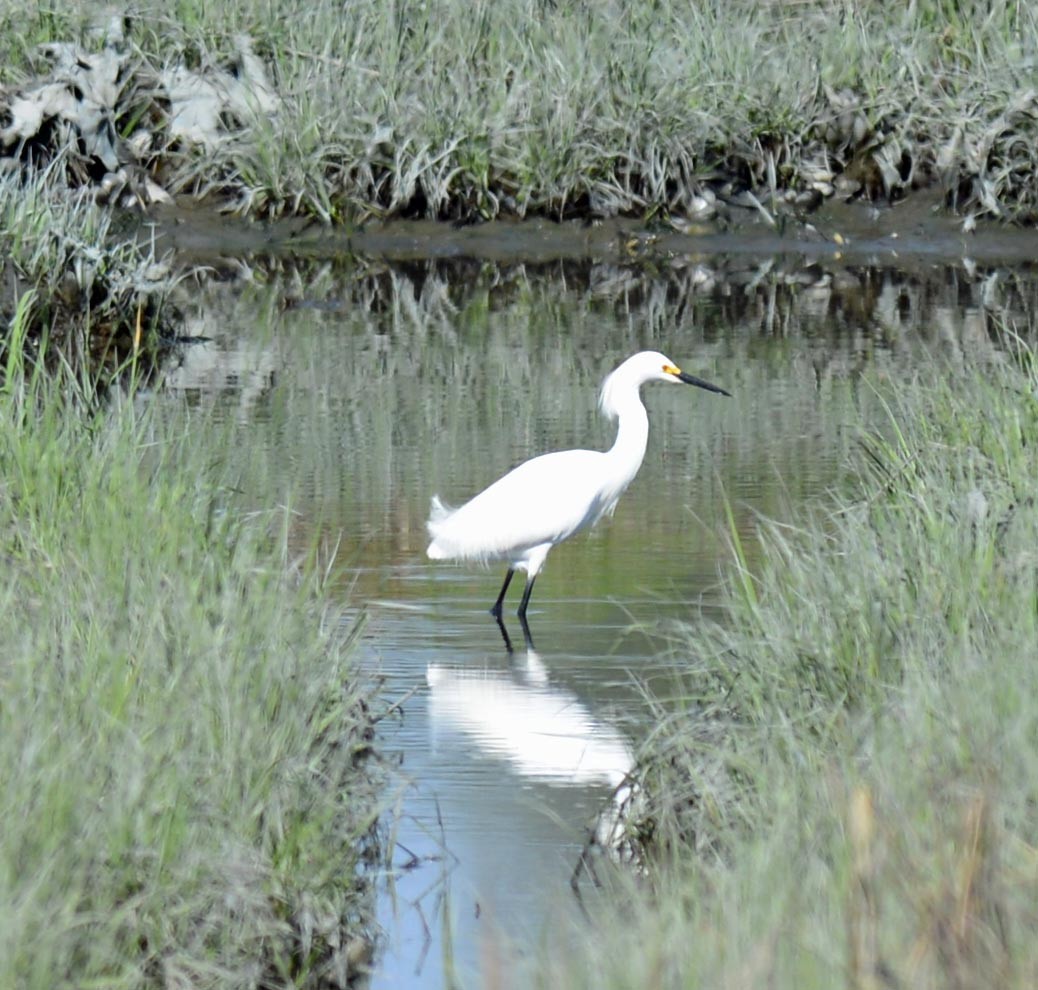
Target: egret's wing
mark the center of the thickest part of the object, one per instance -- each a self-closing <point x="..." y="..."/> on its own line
<point x="542" y="501"/>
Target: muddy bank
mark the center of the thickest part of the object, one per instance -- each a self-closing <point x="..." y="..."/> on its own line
<point x="913" y="233"/>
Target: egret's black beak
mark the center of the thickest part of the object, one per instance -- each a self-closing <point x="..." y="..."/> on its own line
<point x="692" y="380"/>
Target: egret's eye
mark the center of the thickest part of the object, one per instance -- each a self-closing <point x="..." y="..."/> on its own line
<point x="669" y="369"/>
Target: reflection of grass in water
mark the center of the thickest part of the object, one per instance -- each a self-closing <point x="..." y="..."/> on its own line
<point x="434" y="382"/>
<point x="180" y="730"/>
<point x="376" y="412"/>
<point x="848" y="795"/>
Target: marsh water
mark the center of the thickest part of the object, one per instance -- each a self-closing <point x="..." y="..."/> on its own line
<point x="369" y="387"/>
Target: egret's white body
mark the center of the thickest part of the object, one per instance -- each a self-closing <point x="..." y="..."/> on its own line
<point x="543" y="501"/>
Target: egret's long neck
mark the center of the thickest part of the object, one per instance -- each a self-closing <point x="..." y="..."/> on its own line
<point x="632" y="435"/>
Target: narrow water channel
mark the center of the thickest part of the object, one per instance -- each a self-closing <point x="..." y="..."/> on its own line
<point x="371" y="388"/>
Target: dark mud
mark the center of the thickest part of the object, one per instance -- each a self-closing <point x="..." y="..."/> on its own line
<point x="913" y="233"/>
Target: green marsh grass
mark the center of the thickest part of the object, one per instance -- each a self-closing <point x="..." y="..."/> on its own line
<point x="847" y="796"/>
<point x="183" y="737"/>
<point x="450" y="109"/>
<point x="69" y="264"/>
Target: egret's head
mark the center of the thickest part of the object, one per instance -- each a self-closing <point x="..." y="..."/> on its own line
<point x="672" y="373"/>
<point x="646" y="366"/>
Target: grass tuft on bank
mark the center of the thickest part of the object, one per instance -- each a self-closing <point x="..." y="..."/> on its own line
<point x="846" y="797"/>
<point x="76" y="283"/>
<point x="184" y="771"/>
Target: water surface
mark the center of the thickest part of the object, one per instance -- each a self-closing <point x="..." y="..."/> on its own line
<point x="370" y="387"/>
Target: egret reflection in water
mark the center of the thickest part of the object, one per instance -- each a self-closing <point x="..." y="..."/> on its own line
<point x="542" y="730"/>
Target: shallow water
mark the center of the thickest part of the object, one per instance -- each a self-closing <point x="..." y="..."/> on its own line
<point x="368" y="388"/>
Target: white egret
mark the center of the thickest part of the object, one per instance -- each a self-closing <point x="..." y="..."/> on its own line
<point x="547" y="499"/>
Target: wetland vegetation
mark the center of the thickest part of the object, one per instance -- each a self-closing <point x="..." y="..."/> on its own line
<point x="792" y="707"/>
<point x="186" y="790"/>
<point x="438" y="109"/>
<point x="846" y="795"/>
<point x="845" y="791"/>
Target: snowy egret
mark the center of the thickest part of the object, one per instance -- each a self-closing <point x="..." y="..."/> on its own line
<point x="543" y="501"/>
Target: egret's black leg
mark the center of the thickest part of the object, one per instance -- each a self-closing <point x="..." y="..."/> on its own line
<point x="526" y="597"/>
<point x="496" y="610"/>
